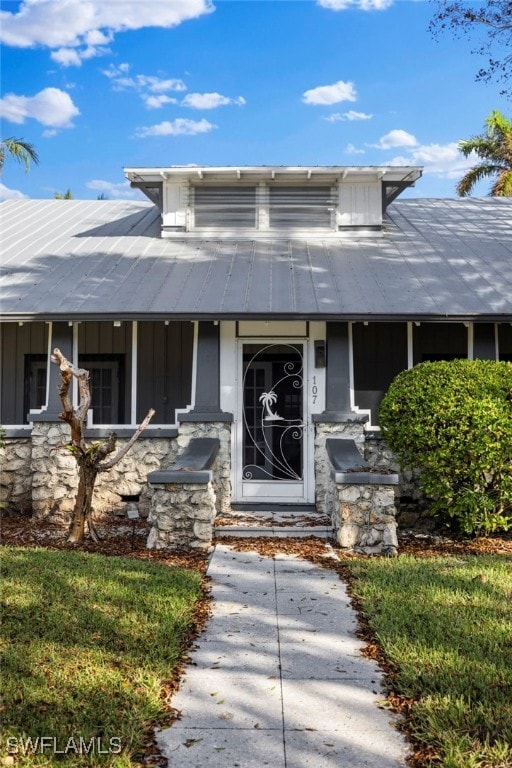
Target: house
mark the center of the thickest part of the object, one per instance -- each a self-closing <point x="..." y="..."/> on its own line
<point x="267" y="306"/>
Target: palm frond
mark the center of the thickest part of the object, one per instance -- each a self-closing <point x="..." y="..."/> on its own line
<point x="494" y="148"/>
<point x="21" y="151"/>
<point x="503" y="185"/>
<point x="474" y="175"/>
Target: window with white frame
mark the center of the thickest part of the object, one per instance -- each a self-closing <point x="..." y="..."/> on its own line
<point x="106" y="378"/>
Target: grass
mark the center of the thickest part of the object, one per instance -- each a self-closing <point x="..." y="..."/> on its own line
<point x="445" y="626"/>
<point x="90" y="643"/>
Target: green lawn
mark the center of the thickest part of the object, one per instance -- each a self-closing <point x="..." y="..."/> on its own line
<point x="445" y="625"/>
<point x="89" y="643"/>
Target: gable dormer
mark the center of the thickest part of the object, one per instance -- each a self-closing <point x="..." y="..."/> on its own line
<point x="276" y="201"/>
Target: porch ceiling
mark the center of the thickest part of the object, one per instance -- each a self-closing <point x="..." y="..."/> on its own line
<point x="72" y="259"/>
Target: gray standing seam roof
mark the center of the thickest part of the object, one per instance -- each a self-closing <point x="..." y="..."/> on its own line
<point x="70" y="259"/>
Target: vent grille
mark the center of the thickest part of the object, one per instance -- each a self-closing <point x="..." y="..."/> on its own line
<point x="263" y="207"/>
<point x="292" y="207"/>
<point x="225" y="207"/>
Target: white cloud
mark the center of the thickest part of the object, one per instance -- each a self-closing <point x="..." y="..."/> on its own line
<point x="350" y="149"/>
<point x="179" y="127"/>
<point x="210" y="100"/>
<point x="336" y="117"/>
<point x="119" y="77"/>
<point x="353" y="115"/>
<point x="363" y="5"/>
<point x="444" y="160"/>
<point x="158" y="85"/>
<point x="11" y="194"/>
<point x="330" y="94"/>
<point x="396" y="138"/>
<point x="68" y="57"/>
<point x="51" y="107"/>
<point x="152" y="89"/>
<point x="156" y="102"/>
<point x="117" y="191"/>
<point x="80" y="25"/>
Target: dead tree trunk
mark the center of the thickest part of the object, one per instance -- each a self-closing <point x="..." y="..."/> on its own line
<point x="91" y="459"/>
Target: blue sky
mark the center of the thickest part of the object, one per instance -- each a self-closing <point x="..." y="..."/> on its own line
<point x="98" y="85"/>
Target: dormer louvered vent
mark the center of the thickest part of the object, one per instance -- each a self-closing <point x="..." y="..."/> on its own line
<point x="224" y="206"/>
<point x="291" y="207"/>
<point x="263" y="207"/>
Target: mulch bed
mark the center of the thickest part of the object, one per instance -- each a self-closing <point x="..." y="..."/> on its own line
<point x="119" y="537"/>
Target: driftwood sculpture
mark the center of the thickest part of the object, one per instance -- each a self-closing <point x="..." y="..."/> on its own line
<point x="91" y="459"/>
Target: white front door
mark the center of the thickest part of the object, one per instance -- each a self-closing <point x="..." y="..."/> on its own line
<point x="272" y="446"/>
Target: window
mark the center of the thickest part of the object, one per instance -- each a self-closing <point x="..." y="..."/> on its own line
<point x="106" y="381"/>
<point x="35" y="383"/>
<point x="105" y="390"/>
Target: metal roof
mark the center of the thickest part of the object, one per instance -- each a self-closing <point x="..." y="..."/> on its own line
<point x="180" y="172"/>
<point x="437" y="259"/>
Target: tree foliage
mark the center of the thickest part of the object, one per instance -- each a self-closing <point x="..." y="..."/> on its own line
<point x="67" y="195"/>
<point x="491" y="24"/>
<point x="494" y="148"/>
<point x="19" y="150"/>
<point x="453" y="422"/>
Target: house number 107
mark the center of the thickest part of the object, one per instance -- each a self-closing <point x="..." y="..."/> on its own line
<point x="314" y="390"/>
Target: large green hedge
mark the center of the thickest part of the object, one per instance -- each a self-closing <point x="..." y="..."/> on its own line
<point x="453" y="422"/>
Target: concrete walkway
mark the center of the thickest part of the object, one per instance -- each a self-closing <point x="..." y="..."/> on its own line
<point x="277" y="678"/>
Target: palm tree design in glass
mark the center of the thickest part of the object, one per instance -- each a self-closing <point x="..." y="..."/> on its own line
<point x="267" y="399"/>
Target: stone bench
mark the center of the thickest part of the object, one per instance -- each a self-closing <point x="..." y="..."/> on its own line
<point x="361" y="501"/>
<point x="182" y="510"/>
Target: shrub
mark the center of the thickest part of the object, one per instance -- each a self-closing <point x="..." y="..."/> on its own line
<point x="453" y="422"/>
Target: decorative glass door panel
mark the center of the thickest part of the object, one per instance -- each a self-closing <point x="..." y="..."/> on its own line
<point x="273" y="421"/>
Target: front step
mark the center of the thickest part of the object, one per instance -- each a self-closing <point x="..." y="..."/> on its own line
<point x="278" y="520"/>
<point x="241" y="532"/>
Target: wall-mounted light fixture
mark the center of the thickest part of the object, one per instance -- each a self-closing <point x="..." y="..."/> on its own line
<point x="320" y="354"/>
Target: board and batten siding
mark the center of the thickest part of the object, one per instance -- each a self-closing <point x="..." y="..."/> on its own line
<point x="164" y="379"/>
<point x="505" y="341"/>
<point x="379" y="354"/>
<point x="439" y="341"/>
<point x="108" y="340"/>
<point x="16" y="343"/>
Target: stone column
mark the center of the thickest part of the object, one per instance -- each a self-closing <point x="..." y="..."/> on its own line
<point x="338" y="419"/>
<point x="54" y="473"/>
<point x="16" y="475"/>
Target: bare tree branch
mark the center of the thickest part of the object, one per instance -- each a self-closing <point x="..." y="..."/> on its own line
<point x="90" y="459"/>
<point x="140" y="429"/>
<point x="75" y="418"/>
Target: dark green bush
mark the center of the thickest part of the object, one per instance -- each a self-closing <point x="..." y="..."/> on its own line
<point x="453" y="422"/>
